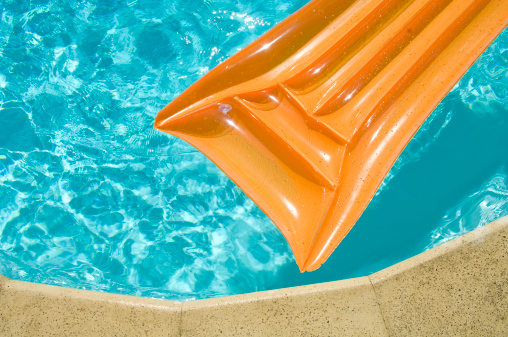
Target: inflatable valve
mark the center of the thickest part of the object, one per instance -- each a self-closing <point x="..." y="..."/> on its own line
<point x="308" y="119"/>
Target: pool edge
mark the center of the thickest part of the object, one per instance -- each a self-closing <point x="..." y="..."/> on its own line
<point x="459" y="287"/>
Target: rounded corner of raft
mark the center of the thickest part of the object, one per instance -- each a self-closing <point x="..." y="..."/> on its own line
<point x="309" y="119"/>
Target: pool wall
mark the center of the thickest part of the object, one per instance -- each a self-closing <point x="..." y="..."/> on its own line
<point x="458" y="288"/>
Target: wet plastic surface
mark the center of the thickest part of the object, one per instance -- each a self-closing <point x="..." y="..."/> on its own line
<point x="309" y="119"/>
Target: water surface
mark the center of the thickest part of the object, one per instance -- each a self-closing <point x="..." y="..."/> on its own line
<point x="92" y="197"/>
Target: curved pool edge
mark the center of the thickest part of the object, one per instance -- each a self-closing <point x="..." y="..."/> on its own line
<point x="457" y="288"/>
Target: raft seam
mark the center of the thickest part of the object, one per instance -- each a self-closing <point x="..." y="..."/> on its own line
<point x="323" y="181"/>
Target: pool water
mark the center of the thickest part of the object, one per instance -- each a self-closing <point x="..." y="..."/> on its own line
<point x="92" y="197"/>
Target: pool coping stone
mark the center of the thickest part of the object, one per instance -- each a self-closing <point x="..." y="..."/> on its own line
<point x="457" y="288"/>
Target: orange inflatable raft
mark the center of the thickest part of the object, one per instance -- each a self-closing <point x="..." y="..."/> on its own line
<point x="309" y="119"/>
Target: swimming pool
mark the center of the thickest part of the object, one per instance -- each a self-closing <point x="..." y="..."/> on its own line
<point x="92" y="197"/>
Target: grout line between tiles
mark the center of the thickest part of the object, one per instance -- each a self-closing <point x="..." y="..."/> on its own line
<point x="180" y="320"/>
<point x="379" y="306"/>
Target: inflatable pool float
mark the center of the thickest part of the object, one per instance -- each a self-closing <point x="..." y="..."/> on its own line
<point x="308" y="119"/>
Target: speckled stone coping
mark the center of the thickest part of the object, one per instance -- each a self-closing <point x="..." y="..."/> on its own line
<point x="457" y="289"/>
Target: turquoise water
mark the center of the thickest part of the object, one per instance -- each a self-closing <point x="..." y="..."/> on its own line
<point x="92" y="197"/>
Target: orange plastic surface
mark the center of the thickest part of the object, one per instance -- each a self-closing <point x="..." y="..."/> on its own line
<point x="309" y="119"/>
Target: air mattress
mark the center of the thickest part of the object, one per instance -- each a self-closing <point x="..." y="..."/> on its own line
<point x="309" y="119"/>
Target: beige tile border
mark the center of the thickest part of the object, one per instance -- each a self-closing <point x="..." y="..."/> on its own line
<point x="29" y="309"/>
<point x="344" y="308"/>
<point x="457" y="289"/>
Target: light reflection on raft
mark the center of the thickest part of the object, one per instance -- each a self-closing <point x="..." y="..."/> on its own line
<point x="309" y="119"/>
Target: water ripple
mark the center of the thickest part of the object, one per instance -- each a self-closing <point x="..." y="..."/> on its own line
<point x="489" y="203"/>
